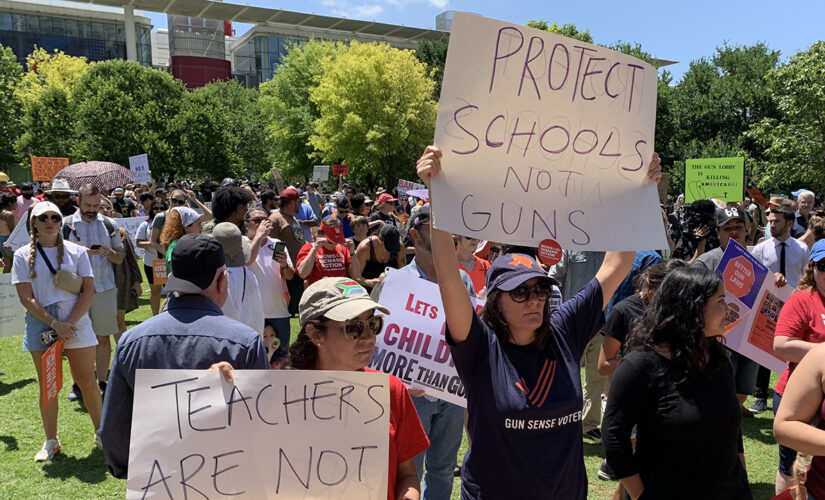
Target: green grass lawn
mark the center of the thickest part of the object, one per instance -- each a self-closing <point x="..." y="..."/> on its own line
<point x="79" y="472"/>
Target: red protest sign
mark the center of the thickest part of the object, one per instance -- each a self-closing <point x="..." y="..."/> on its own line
<point x="340" y="169"/>
<point x="549" y="252"/>
<point x="51" y="365"/>
<point x="757" y="197"/>
<point x="739" y="276"/>
<point x="44" y="168"/>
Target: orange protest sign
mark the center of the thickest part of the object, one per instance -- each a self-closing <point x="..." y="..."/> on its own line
<point x="52" y="367"/>
<point x="739" y="277"/>
<point x="159" y="271"/>
<point x="44" y="168"/>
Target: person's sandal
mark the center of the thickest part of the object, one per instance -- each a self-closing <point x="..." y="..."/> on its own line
<point x="47" y="452"/>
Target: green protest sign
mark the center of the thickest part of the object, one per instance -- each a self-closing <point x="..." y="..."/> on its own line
<point x="720" y="178"/>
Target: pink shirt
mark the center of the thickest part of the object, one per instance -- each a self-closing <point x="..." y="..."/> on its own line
<point x="22" y="206"/>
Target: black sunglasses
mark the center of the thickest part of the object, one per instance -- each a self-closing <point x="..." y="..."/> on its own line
<point x="257" y="220"/>
<point x="820" y="266"/>
<point x="178" y="201"/>
<point x="522" y="293"/>
<point x="354" y="327"/>
<point x="45" y="217"/>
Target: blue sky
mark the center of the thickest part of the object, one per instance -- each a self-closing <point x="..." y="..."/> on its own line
<point x="668" y="29"/>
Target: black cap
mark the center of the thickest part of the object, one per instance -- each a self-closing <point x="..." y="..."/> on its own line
<point x="196" y="259"/>
<point x="725" y="215"/>
<point x="420" y="217"/>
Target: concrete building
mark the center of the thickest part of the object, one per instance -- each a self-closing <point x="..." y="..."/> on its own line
<point x="94" y="32"/>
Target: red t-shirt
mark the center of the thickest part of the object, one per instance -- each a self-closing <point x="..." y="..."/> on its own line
<point x="407" y="436"/>
<point x="479" y="274"/>
<point x="802" y="317"/>
<point x="328" y="263"/>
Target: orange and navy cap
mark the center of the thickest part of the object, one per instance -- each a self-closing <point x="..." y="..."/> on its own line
<point x="512" y="269"/>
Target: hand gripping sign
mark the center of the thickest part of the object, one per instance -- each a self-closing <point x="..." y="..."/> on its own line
<point x="545" y="137"/>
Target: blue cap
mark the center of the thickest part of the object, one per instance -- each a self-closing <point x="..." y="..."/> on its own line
<point x="512" y="269"/>
<point x="818" y="251"/>
<point x="798" y="192"/>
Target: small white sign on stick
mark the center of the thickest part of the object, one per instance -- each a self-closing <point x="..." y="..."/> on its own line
<point x="320" y="173"/>
<point x="139" y="164"/>
<point x="12" y="313"/>
<point x="545" y="137"/>
<point x="273" y="434"/>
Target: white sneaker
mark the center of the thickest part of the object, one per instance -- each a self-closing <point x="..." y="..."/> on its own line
<point x="50" y="447"/>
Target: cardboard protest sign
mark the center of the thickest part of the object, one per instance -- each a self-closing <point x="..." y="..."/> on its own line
<point x="340" y="169"/>
<point x="404" y="186"/>
<point x="52" y="365"/>
<point x="720" y="178"/>
<point x="412" y="345"/>
<point x="44" y="168"/>
<point x="273" y="434"/>
<point x="754" y="303"/>
<point x="159" y="271"/>
<point x="12" y="312"/>
<point x="545" y="137"/>
<point x="140" y="166"/>
<point x="320" y="173"/>
<point x="279" y="181"/>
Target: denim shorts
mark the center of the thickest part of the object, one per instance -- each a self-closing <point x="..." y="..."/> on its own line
<point x="84" y="337"/>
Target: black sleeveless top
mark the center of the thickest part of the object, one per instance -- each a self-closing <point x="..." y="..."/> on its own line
<point x="373" y="267"/>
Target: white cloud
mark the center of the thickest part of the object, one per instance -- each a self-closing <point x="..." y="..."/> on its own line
<point x="368" y="11"/>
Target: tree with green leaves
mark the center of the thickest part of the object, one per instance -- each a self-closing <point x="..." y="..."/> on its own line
<point x="794" y="141"/>
<point x="10" y="75"/>
<point x="48" y="126"/>
<point x="434" y="55"/>
<point x="376" y="112"/>
<point x="125" y="109"/>
<point x="568" y="30"/>
<point x="289" y="112"/>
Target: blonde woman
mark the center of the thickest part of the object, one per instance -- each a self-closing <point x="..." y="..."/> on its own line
<point x="50" y="309"/>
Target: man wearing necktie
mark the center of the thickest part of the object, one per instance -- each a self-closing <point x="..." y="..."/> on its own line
<point x="786" y="257"/>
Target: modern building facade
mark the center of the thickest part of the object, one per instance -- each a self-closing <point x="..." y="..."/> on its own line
<point x="96" y="33"/>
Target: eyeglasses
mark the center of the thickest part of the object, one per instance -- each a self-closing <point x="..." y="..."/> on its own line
<point x="60" y="197"/>
<point x="257" y="220"/>
<point x="354" y="327"/>
<point x="522" y="293"/>
<point x="178" y="201"/>
<point x="820" y="266"/>
<point x="53" y="218"/>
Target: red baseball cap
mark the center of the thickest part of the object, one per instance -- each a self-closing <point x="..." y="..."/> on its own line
<point x="290" y="194"/>
<point x="385" y="198"/>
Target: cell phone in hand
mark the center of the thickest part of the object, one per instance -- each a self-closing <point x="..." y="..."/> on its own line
<point x="279" y="248"/>
<point x="94" y="247"/>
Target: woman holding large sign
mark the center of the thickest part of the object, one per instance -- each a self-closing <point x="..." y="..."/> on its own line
<point x="45" y="273"/>
<point x="520" y="365"/>
<point x="338" y="328"/>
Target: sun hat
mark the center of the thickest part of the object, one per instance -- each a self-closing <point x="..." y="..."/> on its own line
<point x="235" y="248"/>
<point x="338" y="299"/>
<point x="512" y="269"/>
<point x="187" y="215"/>
<point x="196" y="260"/>
<point x="60" y="186"/>
<point x="42" y="208"/>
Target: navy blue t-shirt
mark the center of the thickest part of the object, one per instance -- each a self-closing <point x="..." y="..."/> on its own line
<point x="525" y="406"/>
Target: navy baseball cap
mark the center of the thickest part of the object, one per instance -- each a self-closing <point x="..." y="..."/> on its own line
<point x="512" y="269"/>
<point x="817" y="252"/>
<point x="196" y="260"/>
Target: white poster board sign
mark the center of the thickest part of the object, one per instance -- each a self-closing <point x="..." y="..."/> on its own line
<point x="404" y="186"/>
<point x="545" y="137"/>
<point x="320" y="173"/>
<point x="754" y="303"/>
<point x="273" y="434"/>
<point x="140" y="166"/>
<point x="412" y="346"/>
<point x="12" y="313"/>
<point x="131" y="224"/>
<point x="18" y="237"/>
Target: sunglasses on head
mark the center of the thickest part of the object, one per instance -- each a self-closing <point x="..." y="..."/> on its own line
<point x="354" y="327"/>
<point x="820" y="266"/>
<point x="53" y="218"/>
<point x="178" y="201"/>
<point x="522" y="293"/>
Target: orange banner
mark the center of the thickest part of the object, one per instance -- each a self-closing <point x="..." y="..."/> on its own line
<point x="159" y="270"/>
<point x="44" y="168"/>
<point x="52" y="366"/>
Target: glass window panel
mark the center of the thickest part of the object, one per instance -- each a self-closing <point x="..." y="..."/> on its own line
<point x="33" y="24"/>
<point x="71" y="28"/>
<point x="18" y="22"/>
<point x="58" y="26"/>
<point x="5" y="21"/>
<point x="97" y="31"/>
<point x="120" y="33"/>
<point x="110" y="32"/>
<point x="84" y="29"/>
<point x="45" y="24"/>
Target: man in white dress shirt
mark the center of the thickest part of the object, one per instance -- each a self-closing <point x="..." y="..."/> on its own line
<point x="787" y="258"/>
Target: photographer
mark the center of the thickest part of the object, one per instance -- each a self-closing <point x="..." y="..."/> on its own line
<point x="693" y="230"/>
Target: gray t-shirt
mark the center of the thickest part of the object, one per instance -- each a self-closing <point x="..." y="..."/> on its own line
<point x="710" y="259"/>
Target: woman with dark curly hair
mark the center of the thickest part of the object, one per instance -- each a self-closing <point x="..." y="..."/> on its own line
<point x="676" y="385"/>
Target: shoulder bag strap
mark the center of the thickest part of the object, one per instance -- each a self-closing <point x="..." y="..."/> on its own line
<point x="48" y="262"/>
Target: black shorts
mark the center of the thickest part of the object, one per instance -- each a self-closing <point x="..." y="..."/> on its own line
<point x="150" y="275"/>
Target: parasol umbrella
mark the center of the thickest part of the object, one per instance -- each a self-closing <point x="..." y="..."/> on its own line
<point x="103" y="174"/>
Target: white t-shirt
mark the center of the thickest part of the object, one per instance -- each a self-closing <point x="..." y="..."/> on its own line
<point x="144" y="232"/>
<point x="268" y="272"/>
<point x="244" y="301"/>
<point x="75" y="260"/>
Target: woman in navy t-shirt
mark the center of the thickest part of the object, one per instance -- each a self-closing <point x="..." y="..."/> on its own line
<point x="520" y="365"/>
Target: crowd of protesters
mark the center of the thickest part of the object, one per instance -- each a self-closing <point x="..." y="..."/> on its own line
<point x="242" y="259"/>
